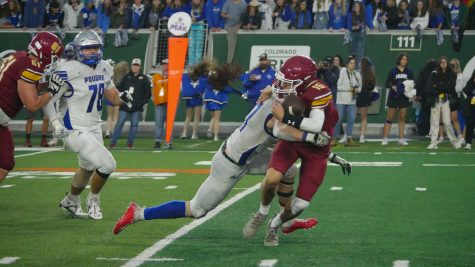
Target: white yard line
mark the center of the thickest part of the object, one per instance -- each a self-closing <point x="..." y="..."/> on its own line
<point x="447" y="165"/>
<point x="336" y="188"/>
<point x="36" y="153"/>
<point x="161" y="244"/>
<point x="401" y="263"/>
<point x="7" y="186"/>
<point x="8" y="260"/>
<point x="268" y="263"/>
<point x="124" y="259"/>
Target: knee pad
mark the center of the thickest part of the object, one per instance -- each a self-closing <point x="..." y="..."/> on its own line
<point x="388" y="121"/>
<point x="197" y="212"/>
<point x="107" y="167"/>
<point x="298" y="205"/>
<point x="289" y="176"/>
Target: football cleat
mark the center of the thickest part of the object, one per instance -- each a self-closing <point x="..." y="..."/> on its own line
<point x="126" y="219"/>
<point x="300" y="224"/>
<point x="271" y="239"/>
<point x="28" y="143"/>
<point x="44" y="143"/>
<point x="74" y="207"/>
<point x="94" y="209"/>
<point x="253" y="224"/>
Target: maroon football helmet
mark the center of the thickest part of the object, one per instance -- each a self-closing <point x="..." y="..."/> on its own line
<point x="294" y="75"/>
<point x="48" y="48"/>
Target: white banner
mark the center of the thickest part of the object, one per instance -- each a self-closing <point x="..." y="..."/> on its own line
<point x="276" y="55"/>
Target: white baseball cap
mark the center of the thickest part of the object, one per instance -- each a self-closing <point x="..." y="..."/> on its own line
<point x="136" y="61"/>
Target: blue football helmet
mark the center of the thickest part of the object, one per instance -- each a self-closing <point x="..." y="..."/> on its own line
<point x="69" y="51"/>
<point x="88" y="39"/>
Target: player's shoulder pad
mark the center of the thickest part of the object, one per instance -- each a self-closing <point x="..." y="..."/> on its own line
<point x="106" y="67"/>
<point x="320" y="93"/>
<point x="30" y="70"/>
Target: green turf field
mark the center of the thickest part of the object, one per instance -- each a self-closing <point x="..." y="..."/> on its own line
<point x="376" y="217"/>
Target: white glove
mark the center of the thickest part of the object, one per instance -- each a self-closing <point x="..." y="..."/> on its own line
<point x="127" y="98"/>
<point x="59" y="130"/>
<point x="345" y="165"/>
<point x="56" y="84"/>
<point x="318" y="139"/>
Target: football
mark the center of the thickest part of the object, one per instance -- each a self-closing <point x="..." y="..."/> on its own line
<point x="293" y="105"/>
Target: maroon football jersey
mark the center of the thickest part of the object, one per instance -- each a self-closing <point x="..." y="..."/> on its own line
<point x="17" y="66"/>
<point x="318" y="95"/>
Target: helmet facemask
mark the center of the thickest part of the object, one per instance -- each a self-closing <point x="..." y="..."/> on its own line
<point x="283" y="87"/>
<point x="90" y="59"/>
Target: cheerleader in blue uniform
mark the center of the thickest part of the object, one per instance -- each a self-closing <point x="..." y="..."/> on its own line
<point x="216" y="93"/>
<point x="193" y="86"/>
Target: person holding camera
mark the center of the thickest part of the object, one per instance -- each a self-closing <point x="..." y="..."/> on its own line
<point x="349" y="85"/>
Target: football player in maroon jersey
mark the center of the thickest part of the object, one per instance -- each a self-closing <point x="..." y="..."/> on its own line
<point x="298" y="76"/>
<point x="19" y="76"/>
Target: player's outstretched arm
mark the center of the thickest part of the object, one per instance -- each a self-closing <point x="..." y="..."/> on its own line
<point x="289" y="133"/>
<point x="117" y="98"/>
<point x="313" y="123"/>
<point x="29" y="96"/>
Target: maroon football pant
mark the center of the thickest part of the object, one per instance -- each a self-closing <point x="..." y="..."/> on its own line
<point x="312" y="169"/>
<point x="7" y="161"/>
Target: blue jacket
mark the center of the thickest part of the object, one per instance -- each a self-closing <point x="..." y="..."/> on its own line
<point x="335" y="19"/>
<point x="192" y="89"/>
<point x="219" y="97"/>
<point x="302" y="21"/>
<point x="103" y="21"/>
<point x="134" y="22"/>
<point x="15" y="20"/>
<point x="436" y="19"/>
<point x="34" y="19"/>
<point x="169" y="11"/>
<point x="213" y="14"/>
<point x="199" y="16"/>
<point x="253" y="88"/>
<point x="88" y="22"/>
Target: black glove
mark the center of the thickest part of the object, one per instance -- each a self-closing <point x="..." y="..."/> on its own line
<point x="345" y="165"/>
<point x="127" y="98"/>
<point x="56" y="84"/>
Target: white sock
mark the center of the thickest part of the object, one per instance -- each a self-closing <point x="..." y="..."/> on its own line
<point x="264" y="209"/>
<point x="93" y="196"/>
<point x="276" y="222"/>
<point x="72" y="197"/>
<point x="139" y="214"/>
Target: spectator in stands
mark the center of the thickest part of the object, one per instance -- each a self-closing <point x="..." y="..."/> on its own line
<point x="193" y="86"/>
<point x="330" y="77"/>
<point x="303" y="17"/>
<point x="455" y="97"/>
<point x="436" y="19"/>
<point x="456" y="20"/>
<point x="337" y="15"/>
<point x="320" y="10"/>
<point x="30" y="117"/>
<point x="176" y="6"/>
<point x="138" y="86"/>
<point x="120" y="70"/>
<point x="196" y="40"/>
<point x="375" y="11"/>
<point x="397" y="101"/>
<point x="72" y="10"/>
<point x="154" y="15"/>
<point x="136" y="17"/>
<point x="88" y="16"/>
<point x="160" y="99"/>
<point x="441" y="87"/>
<point x="13" y="15"/>
<point x="422" y="94"/>
<point x="390" y="17"/>
<point x="252" y="19"/>
<point x="34" y="14"/>
<point x="404" y="16"/>
<point x="469" y="110"/>
<point x="349" y="85"/>
<point x="232" y="12"/>
<point x="420" y="18"/>
<point x="357" y="27"/>
<point x="213" y="15"/>
<point x="104" y="14"/>
<point x="118" y="15"/>
<point x="257" y="79"/>
<point x="216" y="92"/>
<point x="54" y="16"/>
<point x="265" y="9"/>
<point x="282" y="15"/>
<point x="363" y="99"/>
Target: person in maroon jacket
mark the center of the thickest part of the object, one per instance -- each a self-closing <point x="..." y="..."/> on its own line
<point x="19" y="76"/>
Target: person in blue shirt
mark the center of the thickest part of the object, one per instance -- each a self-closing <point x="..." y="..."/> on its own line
<point x="193" y="86"/>
<point x="257" y="79"/>
<point x="136" y="17"/>
<point x="14" y="15"/>
<point x="282" y="15"/>
<point x="213" y="15"/>
<point x="217" y="91"/>
<point x="88" y="15"/>
<point x="104" y="13"/>
<point x="176" y="6"/>
<point x="196" y="37"/>
<point x="337" y="16"/>
<point x="456" y="20"/>
<point x="302" y="18"/>
<point x="34" y="14"/>
<point x="54" y="16"/>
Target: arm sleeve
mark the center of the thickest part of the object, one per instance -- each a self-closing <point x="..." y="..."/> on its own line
<point x="50" y="110"/>
<point x="314" y="122"/>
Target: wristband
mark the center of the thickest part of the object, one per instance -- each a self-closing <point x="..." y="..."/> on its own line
<point x="309" y="137"/>
<point x="292" y="120"/>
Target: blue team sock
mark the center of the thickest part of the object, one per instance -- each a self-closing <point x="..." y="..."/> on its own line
<point x="169" y="210"/>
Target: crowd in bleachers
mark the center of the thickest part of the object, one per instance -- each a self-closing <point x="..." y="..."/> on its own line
<point x="371" y="15"/>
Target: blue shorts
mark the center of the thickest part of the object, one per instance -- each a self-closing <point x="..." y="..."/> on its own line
<point x="213" y="106"/>
<point x="194" y="102"/>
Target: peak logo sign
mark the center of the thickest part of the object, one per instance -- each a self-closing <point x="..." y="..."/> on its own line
<point x="179" y="23"/>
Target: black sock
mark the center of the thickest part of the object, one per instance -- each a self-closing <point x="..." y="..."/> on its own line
<point x="43" y="136"/>
<point x="28" y="136"/>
